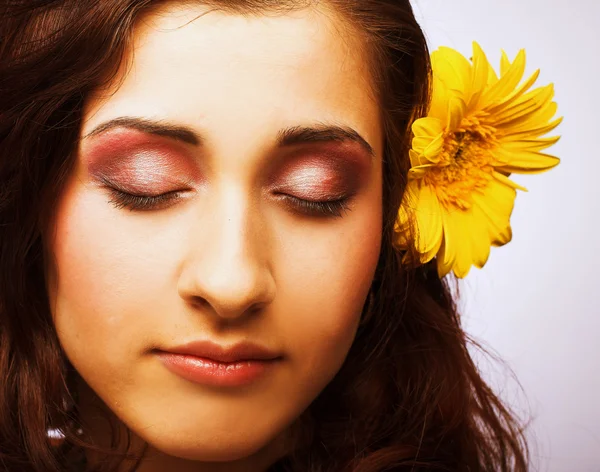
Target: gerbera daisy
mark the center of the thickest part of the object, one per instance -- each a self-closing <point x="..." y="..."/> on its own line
<point x="480" y="128"/>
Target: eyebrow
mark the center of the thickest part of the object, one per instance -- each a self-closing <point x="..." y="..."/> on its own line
<point x="285" y="137"/>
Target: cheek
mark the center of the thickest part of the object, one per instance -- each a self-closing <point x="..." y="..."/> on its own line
<point x="326" y="286"/>
<point x="97" y="283"/>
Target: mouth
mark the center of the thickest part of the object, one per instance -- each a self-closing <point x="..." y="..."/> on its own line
<point x="208" y="363"/>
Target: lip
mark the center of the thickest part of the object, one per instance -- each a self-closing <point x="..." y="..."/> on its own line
<point x="208" y="363"/>
<point x="213" y="351"/>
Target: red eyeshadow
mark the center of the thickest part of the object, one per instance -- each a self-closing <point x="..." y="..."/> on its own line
<point x="322" y="172"/>
<point x="135" y="159"/>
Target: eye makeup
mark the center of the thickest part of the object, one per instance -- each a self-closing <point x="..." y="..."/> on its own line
<point x="140" y="163"/>
<point x="144" y="172"/>
<point x="319" y="179"/>
<point x="323" y="172"/>
<point x="316" y="178"/>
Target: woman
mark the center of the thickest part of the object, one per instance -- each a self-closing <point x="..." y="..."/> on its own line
<point x="198" y="258"/>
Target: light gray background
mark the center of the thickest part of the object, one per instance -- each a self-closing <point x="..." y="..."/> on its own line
<point x="536" y="301"/>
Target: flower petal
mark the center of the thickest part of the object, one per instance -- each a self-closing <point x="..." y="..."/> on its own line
<point x="427" y="127"/>
<point x="456" y="111"/>
<point x="508" y="81"/>
<point x="532" y="132"/>
<point x="479" y="238"/>
<point x="417" y="172"/>
<point x="527" y="108"/>
<point x="428" y="215"/>
<point x="526" y="162"/>
<point x="452" y="68"/>
<point x="481" y="68"/>
<point x="433" y="150"/>
<point x="439" y="100"/>
<point x="496" y="204"/>
<point x="518" y="92"/>
<point x="457" y="242"/>
<point x="444" y="261"/>
<point x="504" y="63"/>
<point x="414" y="158"/>
<point x="503" y="179"/>
<point x="401" y="226"/>
<point x="447" y="255"/>
<point x="538" y="144"/>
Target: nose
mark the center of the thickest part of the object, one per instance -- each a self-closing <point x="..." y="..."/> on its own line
<point x="227" y="269"/>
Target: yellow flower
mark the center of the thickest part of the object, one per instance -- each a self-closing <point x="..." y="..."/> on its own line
<point x="480" y="128"/>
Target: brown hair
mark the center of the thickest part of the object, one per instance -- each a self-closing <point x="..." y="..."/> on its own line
<point x="409" y="396"/>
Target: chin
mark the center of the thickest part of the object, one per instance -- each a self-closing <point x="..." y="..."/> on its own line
<point x="209" y="449"/>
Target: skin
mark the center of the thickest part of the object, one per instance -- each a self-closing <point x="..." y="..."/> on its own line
<point x="230" y="260"/>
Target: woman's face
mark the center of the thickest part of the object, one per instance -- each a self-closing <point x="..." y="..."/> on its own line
<point x="243" y="125"/>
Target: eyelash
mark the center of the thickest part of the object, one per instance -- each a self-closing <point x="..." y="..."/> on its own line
<point x="325" y="208"/>
<point x="124" y="200"/>
<point x="132" y="202"/>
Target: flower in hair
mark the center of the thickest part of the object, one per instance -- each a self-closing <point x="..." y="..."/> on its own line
<point x="480" y="128"/>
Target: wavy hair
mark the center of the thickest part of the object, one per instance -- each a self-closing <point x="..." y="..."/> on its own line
<point x="408" y="397"/>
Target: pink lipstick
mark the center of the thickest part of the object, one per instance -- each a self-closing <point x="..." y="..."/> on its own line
<point x="207" y="363"/>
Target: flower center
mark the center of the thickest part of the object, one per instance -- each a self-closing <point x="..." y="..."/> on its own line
<point x="465" y="164"/>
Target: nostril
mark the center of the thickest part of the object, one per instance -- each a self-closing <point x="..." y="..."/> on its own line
<point x="256" y="308"/>
<point x="199" y="302"/>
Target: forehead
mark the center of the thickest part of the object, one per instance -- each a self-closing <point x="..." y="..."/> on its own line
<point x="217" y="69"/>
